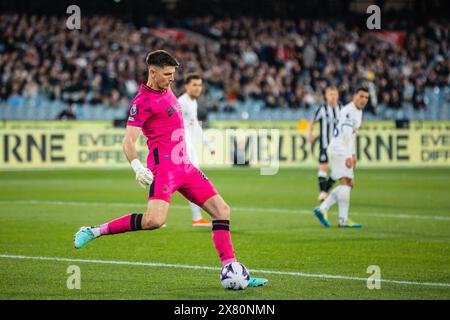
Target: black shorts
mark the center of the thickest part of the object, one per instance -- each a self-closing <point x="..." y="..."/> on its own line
<point x="323" y="156"/>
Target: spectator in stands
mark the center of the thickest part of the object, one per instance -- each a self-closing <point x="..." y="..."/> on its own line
<point x="15" y="100"/>
<point x="282" y="62"/>
<point x="67" y="114"/>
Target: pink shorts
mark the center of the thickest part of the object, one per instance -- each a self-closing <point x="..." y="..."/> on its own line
<point x="186" y="179"/>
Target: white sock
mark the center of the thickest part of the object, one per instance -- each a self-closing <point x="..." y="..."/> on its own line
<point x="321" y="174"/>
<point x="196" y="214"/>
<point x="344" y="203"/>
<point x="332" y="198"/>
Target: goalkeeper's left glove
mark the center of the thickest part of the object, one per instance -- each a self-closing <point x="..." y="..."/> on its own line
<point x="143" y="175"/>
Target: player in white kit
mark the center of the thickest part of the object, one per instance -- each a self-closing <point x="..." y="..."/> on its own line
<point x="188" y="101"/>
<point x="341" y="154"/>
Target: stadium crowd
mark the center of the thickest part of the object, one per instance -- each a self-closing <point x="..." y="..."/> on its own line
<point x="284" y="63"/>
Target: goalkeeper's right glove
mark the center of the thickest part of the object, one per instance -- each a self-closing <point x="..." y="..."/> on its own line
<point x="143" y="175"/>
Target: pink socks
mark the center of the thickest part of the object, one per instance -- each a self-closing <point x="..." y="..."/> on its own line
<point x="133" y="222"/>
<point x="222" y="241"/>
<point x="130" y="222"/>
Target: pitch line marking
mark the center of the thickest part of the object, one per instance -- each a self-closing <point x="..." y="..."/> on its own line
<point x="185" y="266"/>
<point x="270" y="210"/>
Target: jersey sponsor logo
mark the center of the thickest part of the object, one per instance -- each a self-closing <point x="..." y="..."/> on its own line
<point x="130" y="118"/>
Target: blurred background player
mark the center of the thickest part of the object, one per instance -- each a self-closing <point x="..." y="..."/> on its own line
<point x="327" y="115"/>
<point x="341" y="153"/>
<point x="193" y="85"/>
<point x="156" y="113"/>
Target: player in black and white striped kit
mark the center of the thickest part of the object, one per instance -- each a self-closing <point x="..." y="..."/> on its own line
<point x="327" y="115"/>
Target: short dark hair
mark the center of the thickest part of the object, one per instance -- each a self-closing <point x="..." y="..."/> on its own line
<point x="361" y="88"/>
<point x="191" y="76"/>
<point x="161" y="59"/>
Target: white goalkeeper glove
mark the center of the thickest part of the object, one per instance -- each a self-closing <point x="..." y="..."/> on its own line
<point x="143" y="175"/>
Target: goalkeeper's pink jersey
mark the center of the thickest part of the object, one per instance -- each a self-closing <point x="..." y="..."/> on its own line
<point x="159" y="115"/>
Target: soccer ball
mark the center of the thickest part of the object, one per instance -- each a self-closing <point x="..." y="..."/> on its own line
<point x="234" y="276"/>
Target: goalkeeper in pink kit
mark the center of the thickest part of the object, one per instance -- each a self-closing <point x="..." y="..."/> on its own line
<point x="156" y="113"/>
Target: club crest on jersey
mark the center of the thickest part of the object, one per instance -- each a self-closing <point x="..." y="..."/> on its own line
<point x="133" y="110"/>
<point x="171" y="109"/>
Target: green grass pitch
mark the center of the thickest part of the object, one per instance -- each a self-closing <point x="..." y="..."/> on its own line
<point x="405" y="213"/>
